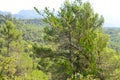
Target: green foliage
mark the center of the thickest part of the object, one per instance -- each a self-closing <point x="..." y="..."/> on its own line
<point x="114" y="38"/>
<point x="34" y="75"/>
<point x="24" y="64"/>
<point x="110" y="64"/>
<point x="12" y="48"/>
<point x="79" y="76"/>
<point x="9" y="35"/>
<point x="7" y="67"/>
<point x="69" y="45"/>
<point x="76" y="32"/>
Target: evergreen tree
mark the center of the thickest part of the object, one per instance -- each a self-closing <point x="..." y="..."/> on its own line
<point x="75" y="30"/>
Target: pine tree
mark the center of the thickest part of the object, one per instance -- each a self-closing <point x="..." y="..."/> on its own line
<point x="75" y="30"/>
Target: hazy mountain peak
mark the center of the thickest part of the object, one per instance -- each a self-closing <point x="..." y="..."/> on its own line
<point x="27" y="14"/>
<point x="23" y="14"/>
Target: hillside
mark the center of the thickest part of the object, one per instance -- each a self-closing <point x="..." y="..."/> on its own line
<point x="114" y="33"/>
<point x="69" y="45"/>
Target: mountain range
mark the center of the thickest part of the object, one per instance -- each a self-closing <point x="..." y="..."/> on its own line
<point x="32" y="14"/>
<point x="24" y="14"/>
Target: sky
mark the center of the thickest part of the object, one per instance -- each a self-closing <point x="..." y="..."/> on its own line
<point x="108" y="8"/>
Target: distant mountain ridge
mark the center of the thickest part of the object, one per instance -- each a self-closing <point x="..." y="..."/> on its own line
<point x="24" y="14"/>
<point x="4" y="12"/>
<point x="27" y="14"/>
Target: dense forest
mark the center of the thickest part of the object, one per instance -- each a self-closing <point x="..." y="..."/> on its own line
<point x="70" y="44"/>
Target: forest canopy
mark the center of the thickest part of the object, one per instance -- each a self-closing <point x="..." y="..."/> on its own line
<point x="70" y="44"/>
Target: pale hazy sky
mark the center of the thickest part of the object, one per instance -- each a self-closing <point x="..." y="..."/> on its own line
<point x="110" y="9"/>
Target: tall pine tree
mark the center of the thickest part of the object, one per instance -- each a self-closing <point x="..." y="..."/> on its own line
<point x="76" y="31"/>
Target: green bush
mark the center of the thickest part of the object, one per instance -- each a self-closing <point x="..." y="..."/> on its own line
<point x="34" y="75"/>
